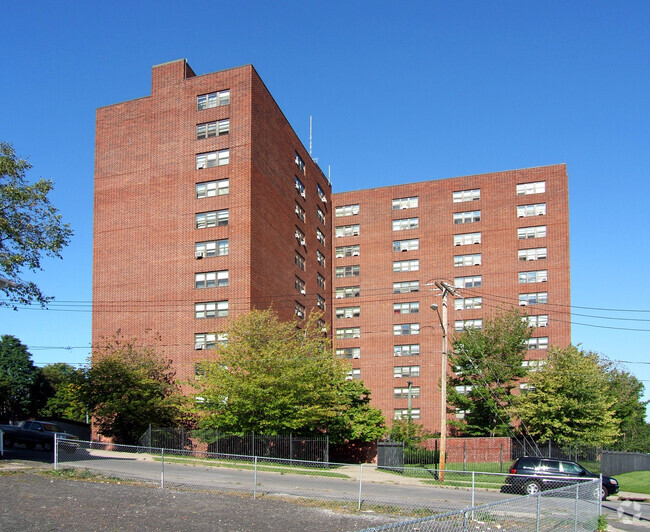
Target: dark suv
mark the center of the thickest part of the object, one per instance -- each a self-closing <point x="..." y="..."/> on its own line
<point x="531" y="474"/>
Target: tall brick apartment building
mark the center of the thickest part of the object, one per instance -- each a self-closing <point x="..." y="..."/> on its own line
<point x="207" y="205"/>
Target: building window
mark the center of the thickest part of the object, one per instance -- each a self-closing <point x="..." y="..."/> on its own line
<point x="539" y="187"/>
<point x="463" y="325"/>
<point x="211" y="279"/>
<point x="538" y="343"/>
<point x="299" y="310"/>
<point x="468" y="303"/>
<point x="320" y="215"/>
<point x="211" y="249"/>
<point x="300" y="212"/>
<point x="404" y="393"/>
<point x="320" y="236"/>
<point x="300" y="236"/>
<point x="405" y="203"/>
<point x="538" y="231"/>
<point x="463" y="389"/>
<point x="532" y="254"/>
<point x="406" y="287"/>
<point x="467" y="217"/>
<point x="347" y="230"/>
<point x="533" y="365"/>
<point x="406" y="265"/>
<point x="348" y="291"/>
<point x="348" y="332"/>
<point x="468" y="282"/>
<point x="320" y="301"/>
<point x="300" y="187"/>
<point x="349" y="352"/>
<point x="320" y="258"/>
<point x="406" y="329"/>
<point x="321" y="194"/>
<point x="212" y="129"/>
<point x="300" y="163"/>
<point x="412" y="307"/>
<point x="320" y="280"/>
<point x="354" y="373"/>
<point x="209" y="340"/>
<point x="212" y="188"/>
<point x="216" y="309"/>
<point x="467" y="260"/>
<point x="212" y="219"/>
<point x="299" y="284"/>
<point x="406" y="223"/>
<point x="346" y="210"/>
<point x="403" y="413"/>
<point x="347" y="271"/>
<point x="536" y="321"/>
<point x="536" y="298"/>
<point x="347" y="251"/>
<point x="214" y="158"/>
<point x="461" y="196"/>
<point x="408" y="350"/>
<point x="406" y="245"/>
<point x="466" y="239"/>
<point x="213" y="99"/>
<point x="300" y="261"/>
<point x="539" y="276"/>
<point x="406" y="371"/>
<point x="348" y="312"/>
<point x="460" y="414"/>
<point x="524" y="211"/>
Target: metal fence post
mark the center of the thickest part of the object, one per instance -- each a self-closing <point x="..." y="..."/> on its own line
<point x="162" y="467"/>
<point x="598" y="491"/>
<point x="575" y="512"/>
<point x="56" y="451"/>
<point x="539" y="511"/>
<point x="255" y="479"/>
<point x="360" y="484"/>
<point x="501" y="459"/>
<point x="473" y="492"/>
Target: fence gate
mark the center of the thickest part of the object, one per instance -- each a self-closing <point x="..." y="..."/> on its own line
<point x="390" y="454"/>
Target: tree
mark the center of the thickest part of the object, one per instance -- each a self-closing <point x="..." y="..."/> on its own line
<point x="569" y="400"/>
<point x="130" y="386"/>
<point x="17" y="373"/>
<point x="30" y="228"/>
<point x="629" y="409"/>
<point x="62" y="392"/>
<point x="488" y="367"/>
<point x="275" y="378"/>
<point x="412" y="434"/>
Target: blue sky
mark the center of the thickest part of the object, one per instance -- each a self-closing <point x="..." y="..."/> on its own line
<point x="398" y="91"/>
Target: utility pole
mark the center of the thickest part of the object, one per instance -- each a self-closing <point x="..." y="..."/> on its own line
<point x="446" y="289"/>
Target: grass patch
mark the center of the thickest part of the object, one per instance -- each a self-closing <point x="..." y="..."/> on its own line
<point x="249" y="466"/>
<point x="84" y="474"/>
<point x="635" y="481"/>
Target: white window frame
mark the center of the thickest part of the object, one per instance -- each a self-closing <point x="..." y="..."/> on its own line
<point x="533" y="298"/>
<point x="539" y="320"/>
<point x="213" y="99"/>
<point x="353" y="270"/>
<point x="410" y="307"/>
<point x="347" y="312"/>
<point x="531" y="254"/>
<point x="474" y="259"/>
<point x="404" y="224"/>
<point x="213" y="248"/>
<point x="412" y="244"/>
<point x="406" y="287"/>
<point x="347" y="251"/>
<point x="211" y="309"/>
<point x="406" y="350"/>
<point x="344" y="292"/>
<point x="467" y="217"/>
<point x="320" y="236"/>
<point x="406" y="265"/>
<point x="537" y="276"/>
<point x="214" y="279"/>
<point x="346" y="230"/>
<point x="348" y="332"/>
<point x="468" y="303"/>
<point x="537" y="187"/>
<point x="204" y="220"/>
<point x="209" y="189"/>
<point x="405" y="203"/>
<point x="536" y="209"/>
<point x="212" y="159"/>
<point x="537" y="231"/>
<point x="402" y="392"/>
<point x="406" y="371"/>
<point x="466" y="239"/>
<point x="470" y="281"/>
<point x="538" y="342"/>
<point x="346" y="210"/>
<point x="348" y="352"/>
<point x="461" y="196"/>
<point x="406" y="329"/>
<point x="217" y="128"/>
<point x="463" y="325"/>
<point x="403" y="413"/>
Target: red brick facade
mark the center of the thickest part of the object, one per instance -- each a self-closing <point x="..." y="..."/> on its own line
<point x="147" y="279"/>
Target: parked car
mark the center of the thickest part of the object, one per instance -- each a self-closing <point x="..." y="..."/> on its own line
<point x="531" y="474"/>
<point x="33" y="433"/>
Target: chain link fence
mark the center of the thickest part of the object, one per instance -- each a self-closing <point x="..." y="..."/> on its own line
<point x="410" y="492"/>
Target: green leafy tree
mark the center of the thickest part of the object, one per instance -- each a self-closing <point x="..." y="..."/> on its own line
<point x="488" y="367"/>
<point x="275" y="378"/>
<point x="17" y="375"/>
<point x="569" y="401"/>
<point x="130" y="386"/>
<point x="30" y="228"/>
<point x="412" y="434"/>
<point x="629" y="409"/>
<point x="62" y="392"/>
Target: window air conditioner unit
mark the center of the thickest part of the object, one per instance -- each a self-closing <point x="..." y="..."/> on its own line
<point x="303" y="194"/>
<point x="297" y="235"/>
<point x="356" y="336"/>
<point x="355" y="253"/>
<point x="523" y="303"/>
<point x="199" y="347"/>
<point x="457" y="244"/>
<point x="356" y="356"/>
<point x="297" y="210"/>
<point x="348" y="378"/>
<point x="199" y="254"/>
<point x="324" y="199"/>
<point x="303" y="243"/>
<point x="302" y="291"/>
<point x="520" y="215"/>
<point x="404" y="207"/>
<point x="543" y="325"/>
<point x="297" y="186"/>
<point x="300" y="314"/>
<point x="339" y="296"/>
